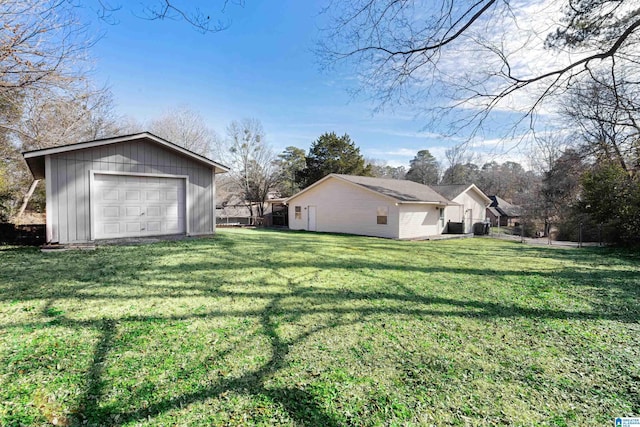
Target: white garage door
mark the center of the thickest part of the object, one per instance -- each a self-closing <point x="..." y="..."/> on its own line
<point x="133" y="206"/>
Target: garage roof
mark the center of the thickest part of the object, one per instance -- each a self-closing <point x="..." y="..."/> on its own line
<point x="35" y="158"/>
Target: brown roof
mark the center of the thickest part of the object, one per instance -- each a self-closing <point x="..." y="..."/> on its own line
<point x="505" y="208"/>
<point x="400" y="189"/>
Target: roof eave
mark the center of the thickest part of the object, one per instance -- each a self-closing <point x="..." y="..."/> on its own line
<point x="486" y="198"/>
<point x="41" y="153"/>
<point x="364" y="187"/>
<point x="336" y="176"/>
<point x="36" y="166"/>
<point x="419" y="202"/>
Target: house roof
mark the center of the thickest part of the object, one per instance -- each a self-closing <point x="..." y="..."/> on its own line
<point x="450" y="191"/>
<point x="233" y="211"/>
<point x="505" y="208"/>
<point x="35" y="158"/>
<point x="454" y="190"/>
<point x="278" y="200"/>
<point x="494" y="211"/>
<point x="401" y="191"/>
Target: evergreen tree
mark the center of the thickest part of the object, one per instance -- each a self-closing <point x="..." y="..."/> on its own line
<point x="424" y="168"/>
<point x="333" y="154"/>
<point x="291" y="163"/>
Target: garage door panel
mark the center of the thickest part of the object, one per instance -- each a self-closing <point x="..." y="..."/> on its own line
<point x="133" y="227"/>
<point x="154" y="211"/>
<point x="172" y="227"/>
<point x="110" y="194"/>
<point x="132" y="195"/>
<point x="110" y="212"/>
<point x="134" y="211"/>
<point x="130" y="206"/>
<point x="171" y="211"/>
<point x="111" y="228"/>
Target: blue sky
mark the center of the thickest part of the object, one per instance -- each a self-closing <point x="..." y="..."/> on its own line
<point x="263" y="67"/>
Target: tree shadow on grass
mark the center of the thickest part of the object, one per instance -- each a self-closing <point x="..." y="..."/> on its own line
<point x="90" y="401"/>
<point x="614" y="293"/>
<point x="299" y="404"/>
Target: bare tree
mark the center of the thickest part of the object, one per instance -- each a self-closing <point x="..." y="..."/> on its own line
<point x="254" y="172"/>
<point x="508" y="180"/>
<point x="54" y="118"/>
<point x="59" y="118"/>
<point x="408" y="51"/>
<point x="561" y="184"/>
<point x="41" y="44"/>
<point x="606" y="113"/>
<point x="43" y="49"/>
<point x="206" y="20"/>
<point x="546" y="150"/>
<point x="380" y="169"/>
<point x="461" y="167"/>
<point x="186" y="127"/>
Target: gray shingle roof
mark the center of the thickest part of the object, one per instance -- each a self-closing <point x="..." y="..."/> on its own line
<point x="399" y="189"/>
<point x="494" y="211"/>
<point x="35" y="158"/>
<point x="450" y="191"/>
<point x="505" y="208"/>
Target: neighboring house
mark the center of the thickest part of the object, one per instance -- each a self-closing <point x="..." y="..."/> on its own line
<point x="396" y="209"/>
<point x="503" y="212"/>
<point x="234" y="215"/>
<point x="234" y="211"/>
<point x="470" y="204"/>
<point x="125" y="187"/>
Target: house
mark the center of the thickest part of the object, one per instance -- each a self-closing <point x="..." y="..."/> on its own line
<point x="396" y="209"/>
<point x="502" y="212"/>
<point x="233" y="210"/>
<point x="470" y="203"/>
<point x="125" y="187"/>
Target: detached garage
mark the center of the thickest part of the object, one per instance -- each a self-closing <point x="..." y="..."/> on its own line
<point x="125" y="187"/>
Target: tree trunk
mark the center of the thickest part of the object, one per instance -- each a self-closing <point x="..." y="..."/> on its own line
<point x="27" y="197"/>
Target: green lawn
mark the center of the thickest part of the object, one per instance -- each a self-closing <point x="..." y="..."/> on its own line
<point x="263" y="328"/>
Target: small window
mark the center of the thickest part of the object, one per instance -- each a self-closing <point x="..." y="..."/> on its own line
<point x="298" y="210"/>
<point x="382" y="214"/>
<point x="442" y="217"/>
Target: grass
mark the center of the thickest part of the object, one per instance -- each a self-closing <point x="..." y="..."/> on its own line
<point x="263" y="328"/>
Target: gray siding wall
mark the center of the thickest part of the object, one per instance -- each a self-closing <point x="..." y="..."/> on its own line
<point x="70" y="210"/>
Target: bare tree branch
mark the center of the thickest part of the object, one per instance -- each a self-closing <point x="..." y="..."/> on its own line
<point x="465" y="59"/>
